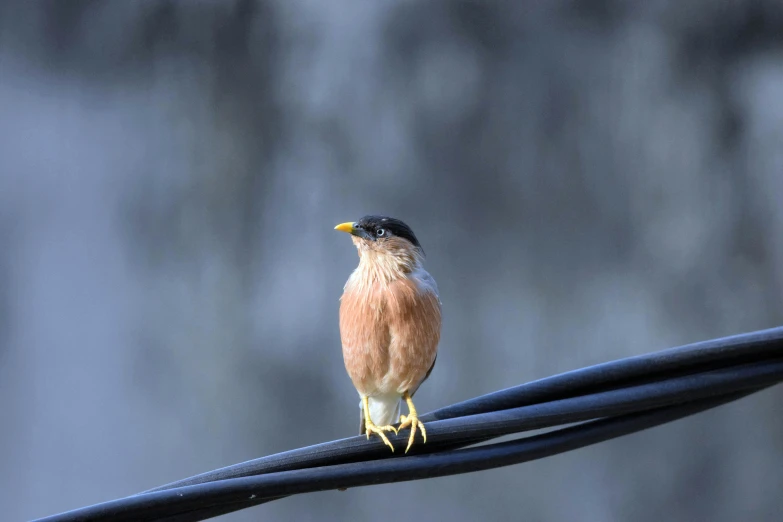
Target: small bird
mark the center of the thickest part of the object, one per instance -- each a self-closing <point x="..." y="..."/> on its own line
<point x="390" y="319"/>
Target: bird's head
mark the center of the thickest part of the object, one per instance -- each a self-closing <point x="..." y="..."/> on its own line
<point x="386" y="240"/>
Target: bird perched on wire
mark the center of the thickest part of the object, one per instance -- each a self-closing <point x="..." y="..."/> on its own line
<point x="390" y="318"/>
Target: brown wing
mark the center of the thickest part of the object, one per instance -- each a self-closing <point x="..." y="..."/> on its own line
<point x="413" y="392"/>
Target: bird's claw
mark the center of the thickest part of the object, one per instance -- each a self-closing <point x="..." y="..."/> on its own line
<point x="379" y="430"/>
<point x="413" y="421"/>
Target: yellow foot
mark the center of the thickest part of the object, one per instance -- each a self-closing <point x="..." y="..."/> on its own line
<point x="370" y="428"/>
<point x="412" y="420"/>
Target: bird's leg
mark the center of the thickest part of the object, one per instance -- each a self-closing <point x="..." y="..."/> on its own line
<point x="412" y="420"/>
<point x="370" y="427"/>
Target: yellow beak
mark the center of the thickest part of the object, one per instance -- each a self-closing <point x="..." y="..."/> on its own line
<point x="345" y="227"/>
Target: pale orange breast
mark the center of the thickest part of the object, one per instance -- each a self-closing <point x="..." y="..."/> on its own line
<point x="390" y="334"/>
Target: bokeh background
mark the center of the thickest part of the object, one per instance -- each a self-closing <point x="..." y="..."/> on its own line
<point x="590" y="179"/>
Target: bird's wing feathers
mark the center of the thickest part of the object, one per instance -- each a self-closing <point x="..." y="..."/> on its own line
<point x="427" y="283"/>
<point x="414" y="390"/>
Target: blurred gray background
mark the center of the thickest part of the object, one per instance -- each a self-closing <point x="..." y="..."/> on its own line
<point x="590" y="179"/>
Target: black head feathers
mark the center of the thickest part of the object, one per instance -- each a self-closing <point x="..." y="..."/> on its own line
<point x="379" y="227"/>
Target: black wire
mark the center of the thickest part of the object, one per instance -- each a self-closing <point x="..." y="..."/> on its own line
<point x="556" y="413"/>
<point x="683" y="377"/>
<point x="691" y="358"/>
<point x="735" y="350"/>
<point x="699" y="387"/>
<point x="419" y="467"/>
<point x="525" y="447"/>
<point x="209" y="497"/>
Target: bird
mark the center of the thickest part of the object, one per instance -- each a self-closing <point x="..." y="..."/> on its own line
<point x="390" y="325"/>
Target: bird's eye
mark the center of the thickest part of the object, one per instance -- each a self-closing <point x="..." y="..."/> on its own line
<point x="380" y="232"/>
